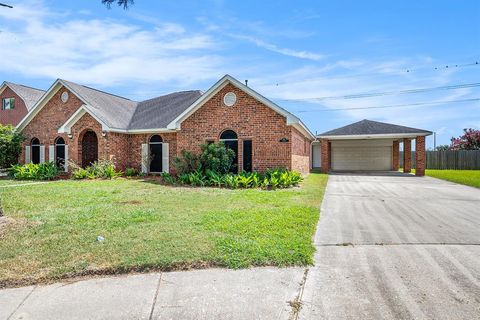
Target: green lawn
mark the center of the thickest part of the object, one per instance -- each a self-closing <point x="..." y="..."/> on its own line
<point x="466" y="177"/>
<point x="52" y="228"/>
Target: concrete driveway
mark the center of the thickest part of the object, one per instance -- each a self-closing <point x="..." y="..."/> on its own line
<point x="395" y="246"/>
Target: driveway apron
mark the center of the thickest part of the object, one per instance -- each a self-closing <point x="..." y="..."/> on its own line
<point x="395" y="246"/>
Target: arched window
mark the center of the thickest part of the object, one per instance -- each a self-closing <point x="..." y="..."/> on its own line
<point x="35" y="147"/>
<point x="228" y="135"/>
<point x="60" y="153"/>
<point x="230" y="138"/>
<point x="156" y="154"/>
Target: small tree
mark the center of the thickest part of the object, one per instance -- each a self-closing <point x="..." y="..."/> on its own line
<point x="443" y="147"/>
<point x="470" y="140"/>
<point x="10" y="146"/>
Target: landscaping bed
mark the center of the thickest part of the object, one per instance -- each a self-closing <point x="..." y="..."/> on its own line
<point x="53" y="228"/>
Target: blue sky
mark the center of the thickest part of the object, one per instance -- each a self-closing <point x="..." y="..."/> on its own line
<point x="293" y="52"/>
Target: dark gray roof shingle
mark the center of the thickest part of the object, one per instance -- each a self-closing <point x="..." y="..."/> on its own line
<point x="29" y="95"/>
<point x="367" y="127"/>
<point x="125" y="114"/>
<point x="159" y="112"/>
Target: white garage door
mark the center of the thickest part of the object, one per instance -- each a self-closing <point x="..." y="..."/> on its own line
<point x="368" y="155"/>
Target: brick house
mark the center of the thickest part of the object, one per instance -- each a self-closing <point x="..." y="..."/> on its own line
<point x="16" y="101"/>
<point x="81" y="124"/>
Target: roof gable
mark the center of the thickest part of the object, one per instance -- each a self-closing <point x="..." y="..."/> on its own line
<point x="369" y="127"/>
<point x="175" y="124"/>
<point x="29" y="95"/>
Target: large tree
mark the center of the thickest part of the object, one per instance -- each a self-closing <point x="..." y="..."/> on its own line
<point x="470" y="140"/>
<point x="10" y="146"/>
<point x="122" y="3"/>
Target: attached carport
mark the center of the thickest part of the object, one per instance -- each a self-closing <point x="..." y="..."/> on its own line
<point x="371" y="146"/>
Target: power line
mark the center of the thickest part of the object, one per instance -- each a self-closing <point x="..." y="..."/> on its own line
<point x="403" y="71"/>
<point x="6" y="5"/>
<point x="392" y="106"/>
<point x="387" y="93"/>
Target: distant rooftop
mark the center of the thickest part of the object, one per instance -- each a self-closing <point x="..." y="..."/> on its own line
<point x="29" y="95"/>
<point x="369" y="127"/>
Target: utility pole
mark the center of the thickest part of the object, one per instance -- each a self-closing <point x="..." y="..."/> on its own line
<point x="434" y="141"/>
<point x="5" y="5"/>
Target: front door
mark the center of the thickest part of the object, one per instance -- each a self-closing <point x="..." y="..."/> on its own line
<point x="89" y="148"/>
<point x="156" y="154"/>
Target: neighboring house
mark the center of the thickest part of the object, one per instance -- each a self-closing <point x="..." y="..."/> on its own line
<point x="369" y="146"/>
<point x="82" y="124"/>
<point x="16" y="101"/>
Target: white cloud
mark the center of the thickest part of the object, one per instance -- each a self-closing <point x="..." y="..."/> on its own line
<point x="285" y="51"/>
<point x="47" y="44"/>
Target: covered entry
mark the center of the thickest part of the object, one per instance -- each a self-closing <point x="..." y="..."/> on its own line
<point x="362" y="155"/>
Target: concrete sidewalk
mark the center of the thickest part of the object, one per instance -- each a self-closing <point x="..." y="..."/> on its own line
<point x="261" y="293"/>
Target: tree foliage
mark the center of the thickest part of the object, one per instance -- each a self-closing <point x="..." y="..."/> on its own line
<point x="121" y="3"/>
<point x="10" y="146"/>
<point x="470" y="140"/>
<point x="215" y="157"/>
<point x="442" y="147"/>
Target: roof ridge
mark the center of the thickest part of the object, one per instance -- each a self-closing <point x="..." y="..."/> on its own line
<point x="98" y="90"/>
<point x="168" y="94"/>
<point x="22" y="85"/>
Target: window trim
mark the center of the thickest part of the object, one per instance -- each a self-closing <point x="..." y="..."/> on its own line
<point x="10" y="103"/>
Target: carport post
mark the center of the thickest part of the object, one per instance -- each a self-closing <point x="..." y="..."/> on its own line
<point x="395" y="156"/>
<point x="407" y="155"/>
<point x="325" y="154"/>
<point x="420" y="158"/>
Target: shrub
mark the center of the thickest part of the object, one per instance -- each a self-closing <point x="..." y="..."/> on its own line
<point x="103" y="169"/>
<point x="214" y="178"/>
<point x="10" y="146"/>
<point x="216" y="157"/>
<point x="31" y="171"/>
<point x="187" y="163"/>
<point x="80" y="173"/>
<point x="131" y="172"/>
<point x="167" y="178"/>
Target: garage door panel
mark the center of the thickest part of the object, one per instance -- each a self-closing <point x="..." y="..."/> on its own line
<point x="369" y="158"/>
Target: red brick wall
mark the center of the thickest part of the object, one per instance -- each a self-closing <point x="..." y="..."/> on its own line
<point x="135" y="148"/>
<point x="114" y="146"/>
<point x="14" y="116"/>
<point x="396" y="155"/>
<point x="46" y="124"/>
<point x="407" y="155"/>
<point x="420" y="156"/>
<point x="250" y="119"/>
<point x="301" y="149"/>
<point x="325" y="148"/>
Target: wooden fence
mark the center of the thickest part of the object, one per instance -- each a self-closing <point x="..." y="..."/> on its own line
<point x="451" y="159"/>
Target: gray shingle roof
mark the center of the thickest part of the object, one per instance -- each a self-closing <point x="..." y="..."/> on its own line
<point x="114" y="110"/>
<point x="367" y="127"/>
<point x="29" y="95"/>
<point x="125" y="114"/>
<point x="159" y="112"/>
